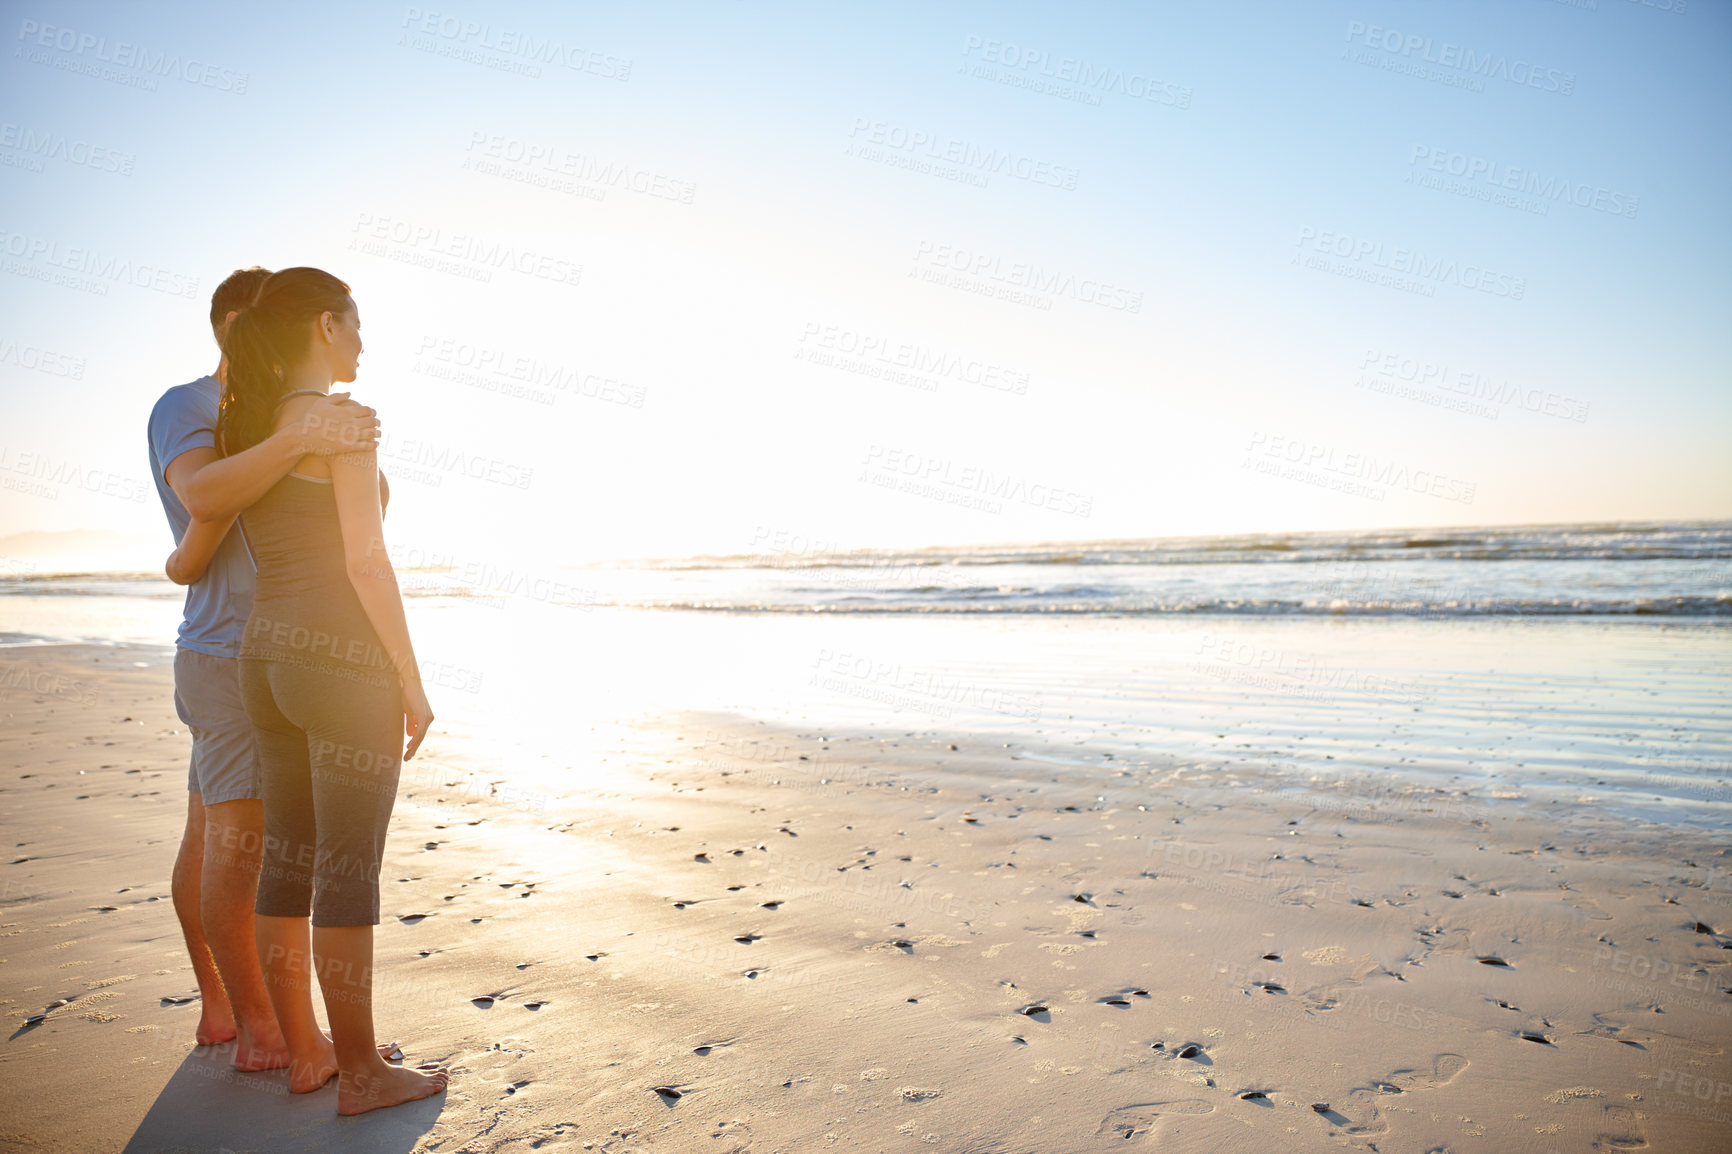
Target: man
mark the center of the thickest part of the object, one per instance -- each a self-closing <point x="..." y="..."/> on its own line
<point x="216" y="872"/>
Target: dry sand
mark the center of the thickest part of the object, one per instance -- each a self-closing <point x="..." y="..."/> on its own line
<point x="878" y="942"/>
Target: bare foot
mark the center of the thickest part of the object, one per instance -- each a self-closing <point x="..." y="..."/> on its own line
<point x="305" y="1077"/>
<point x="216" y="1022"/>
<point x="386" y="1086"/>
<point x="264" y="1050"/>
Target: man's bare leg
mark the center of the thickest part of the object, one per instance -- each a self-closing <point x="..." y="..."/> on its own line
<point x="365" y="1080"/>
<point x="216" y="1021"/>
<point x="233" y="848"/>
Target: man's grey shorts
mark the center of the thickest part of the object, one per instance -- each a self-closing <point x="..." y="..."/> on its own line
<point x="207" y="695"/>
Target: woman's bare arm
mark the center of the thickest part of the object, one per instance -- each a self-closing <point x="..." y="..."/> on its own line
<point x="192" y="557"/>
<point x="355" y="482"/>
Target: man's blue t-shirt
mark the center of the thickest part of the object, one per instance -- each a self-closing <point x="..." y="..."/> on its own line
<point x="218" y="603"/>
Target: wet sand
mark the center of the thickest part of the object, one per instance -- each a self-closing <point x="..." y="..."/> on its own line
<point x="720" y="935"/>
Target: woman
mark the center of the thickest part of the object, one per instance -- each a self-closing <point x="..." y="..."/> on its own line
<point x="330" y="683"/>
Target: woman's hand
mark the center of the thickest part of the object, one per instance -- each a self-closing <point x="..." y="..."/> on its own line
<point x="417" y="716"/>
<point x="336" y="424"/>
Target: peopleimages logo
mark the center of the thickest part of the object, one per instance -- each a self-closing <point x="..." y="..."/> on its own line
<point x="925" y="362"/>
<point x="1087" y="77"/>
<point x="105" y="267"/>
<point x="1497" y="175"/>
<point x="509" y="42"/>
<point x="950" y="481"/>
<point x="1317" y="463"/>
<point x="1471" y="383"/>
<point x="530" y="370"/>
<point x="41" y="360"/>
<point x="1417" y="50"/>
<point x="47" y="145"/>
<point x="1412" y="263"/>
<point x="454" y="460"/>
<point x="931" y="145"/>
<point x="465" y="254"/>
<point x="124" y="54"/>
<point x="52" y="472"/>
<point x="555" y="160"/>
<point x="1022" y="275"/>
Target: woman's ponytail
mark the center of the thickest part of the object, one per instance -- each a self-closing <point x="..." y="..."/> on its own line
<point x="251" y="386"/>
<point x="263" y="343"/>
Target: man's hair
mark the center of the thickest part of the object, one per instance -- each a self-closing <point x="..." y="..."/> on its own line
<point x="237" y="291"/>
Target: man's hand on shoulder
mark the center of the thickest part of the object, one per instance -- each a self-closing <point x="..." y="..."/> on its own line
<point x="336" y="424"/>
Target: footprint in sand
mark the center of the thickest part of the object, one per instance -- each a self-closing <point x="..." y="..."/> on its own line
<point x="1622" y="1131"/>
<point x="730" y="1137"/>
<point x="1445" y="1068"/>
<point x="1140" y="1121"/>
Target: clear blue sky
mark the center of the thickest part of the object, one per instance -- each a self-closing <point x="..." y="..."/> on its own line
<point x="806" y="175"/>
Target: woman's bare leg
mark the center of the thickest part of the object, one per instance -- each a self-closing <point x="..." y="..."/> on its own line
<point x="286" y="955"/>
<point x="285" y="951"/>
<point x="365" y="1080"/>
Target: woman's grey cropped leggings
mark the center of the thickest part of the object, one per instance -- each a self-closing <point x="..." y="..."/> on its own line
<point x="330" y="750"/>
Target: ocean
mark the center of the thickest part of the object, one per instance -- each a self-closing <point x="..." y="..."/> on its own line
<point x="1578" y="665"/>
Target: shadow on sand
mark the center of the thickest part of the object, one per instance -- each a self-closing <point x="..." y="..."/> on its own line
<point x="208" y="1106"/>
